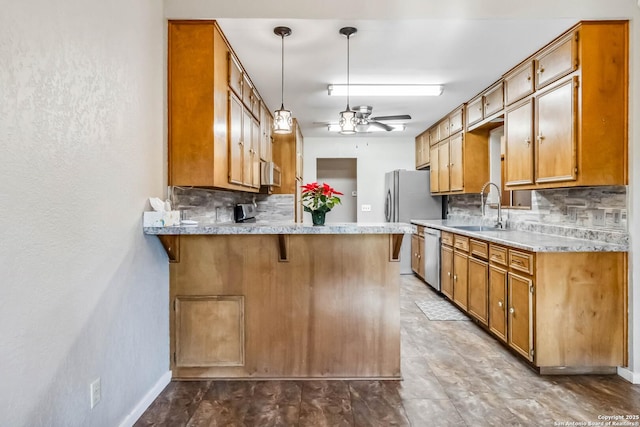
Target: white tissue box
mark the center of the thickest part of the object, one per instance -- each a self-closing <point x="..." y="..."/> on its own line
<point x="161" y="219"/>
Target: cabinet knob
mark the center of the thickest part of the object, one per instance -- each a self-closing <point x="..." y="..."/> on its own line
<point x="480" y="109"/>
<point x="512" y="310"/>
<point x="500" y="304"/>
<point x="540" y="137"/>
<point x="540" y="70"/>
<point x="529" y="78"/>
<point x="527" y="140"/>
<point x="449" y="273"/>
<point x="455" y="277"/>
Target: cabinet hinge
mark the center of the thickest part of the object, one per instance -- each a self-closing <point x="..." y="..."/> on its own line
<point x="174" y="305"/>
<point x="531" y="289"/>
<point x="531" y="353"/>
<point x="576" y="170"/>
<point x="577" y="36"/>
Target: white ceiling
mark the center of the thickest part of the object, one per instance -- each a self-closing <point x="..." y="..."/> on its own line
<point x="464" y="44"/>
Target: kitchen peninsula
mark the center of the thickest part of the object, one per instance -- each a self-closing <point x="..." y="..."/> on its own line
<point x="284" y="300"/>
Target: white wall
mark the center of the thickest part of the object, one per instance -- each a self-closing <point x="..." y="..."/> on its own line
<point x="83" y="292"/>
<point x="375" y="156"/>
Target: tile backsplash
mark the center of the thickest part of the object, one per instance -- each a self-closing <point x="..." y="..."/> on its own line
<point x="595" y="213"/>
<point x="216" y="206"/>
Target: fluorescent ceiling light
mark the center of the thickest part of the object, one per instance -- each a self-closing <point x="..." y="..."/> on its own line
<point x="385" y="90"/>
<point x="372" y="128"/>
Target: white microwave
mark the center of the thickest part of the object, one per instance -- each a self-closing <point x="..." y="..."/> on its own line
<point x="270" y="174"/>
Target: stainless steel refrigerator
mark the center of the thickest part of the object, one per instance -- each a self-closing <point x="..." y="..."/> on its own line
<point x="408" y="197"/>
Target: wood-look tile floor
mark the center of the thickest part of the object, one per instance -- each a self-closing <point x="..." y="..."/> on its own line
<point x="454" y="373"/>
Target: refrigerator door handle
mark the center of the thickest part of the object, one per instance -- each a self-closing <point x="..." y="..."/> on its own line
<point x="387" y="206"/>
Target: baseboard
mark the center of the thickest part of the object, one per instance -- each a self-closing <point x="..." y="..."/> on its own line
<point x="147" y="400"/>
<point x="632" y="377"/>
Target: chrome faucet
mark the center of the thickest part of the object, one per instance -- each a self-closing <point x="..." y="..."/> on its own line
<point x="482" y="202"/>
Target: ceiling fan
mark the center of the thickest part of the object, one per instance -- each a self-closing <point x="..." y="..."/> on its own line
<point x="363" y="113"/>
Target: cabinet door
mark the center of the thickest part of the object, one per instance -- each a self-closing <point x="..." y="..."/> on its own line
<point x="235" y="75"/>
<point x="435" y="169"/>
<point x="474" y="111"/>
<point x="518" y="83"/>
<point x="236" y="144"/>
<point x="209" y="331"/>
<point x="520" y="314"/>
<point x="456" y="162"/>
<point x="519" y="144"/>
<point x="415" y="252"/>
<point x="478" y="289"/>
<point x="426" y="158"/>
<point x="418" y="151"/>
<point x="498" y="302"/>
<point x="255" y="157"/>
<point x="557" y="61"/>
<point x="460" y="279"/>
<point x="443" y="166"/>
<point x="556" y="155"/>
<point x="247" y="148"/>
<point x="265" y="134"/>
<point x="494" y="100"/>
<point x="443" y="129"/>
<point x="446" y="271"/>
<point x="455" y="121"/>
<point x="421" y="257"/>
<point x="299" y="148"/>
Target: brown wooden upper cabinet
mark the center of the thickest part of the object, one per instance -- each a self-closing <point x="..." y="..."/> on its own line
<point x="485" y="105"/>
<point x="422" y="150"/>
<point x="571" y="127"/>
<point x="214" y="111"/>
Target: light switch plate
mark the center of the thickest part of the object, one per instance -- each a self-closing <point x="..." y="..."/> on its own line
<point x="365" y="208"/>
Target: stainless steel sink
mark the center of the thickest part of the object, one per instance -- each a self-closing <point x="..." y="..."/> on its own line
<point x="477" y="228"/>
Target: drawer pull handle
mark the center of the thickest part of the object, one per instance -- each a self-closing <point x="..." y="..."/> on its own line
<point x="517" y="261"/>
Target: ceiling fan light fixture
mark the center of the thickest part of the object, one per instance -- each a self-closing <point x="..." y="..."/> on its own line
<point x="385" y="90"/>
<point x="282" y="120"/>
<point x="333" y="127"/>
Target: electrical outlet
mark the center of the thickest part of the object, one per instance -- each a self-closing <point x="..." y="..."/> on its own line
<point x="95" y="391"/>
<point x="366" y="208"/>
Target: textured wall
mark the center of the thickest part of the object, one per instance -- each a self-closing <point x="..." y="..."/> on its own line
<point x="83" y="292"/>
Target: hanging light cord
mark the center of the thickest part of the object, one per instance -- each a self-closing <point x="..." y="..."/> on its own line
<point x="282" y="74"/>
<point x="348" y="37"/>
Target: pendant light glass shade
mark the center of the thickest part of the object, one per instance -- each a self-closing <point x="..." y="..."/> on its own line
<point x="282" y="121"/>
<point x="348" y="120"/>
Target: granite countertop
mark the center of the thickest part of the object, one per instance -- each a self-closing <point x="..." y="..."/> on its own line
<point x="284" y="228"/>
<point x="527" y="240"/>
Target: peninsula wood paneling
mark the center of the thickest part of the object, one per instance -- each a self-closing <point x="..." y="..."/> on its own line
<point x="331" y="311"/>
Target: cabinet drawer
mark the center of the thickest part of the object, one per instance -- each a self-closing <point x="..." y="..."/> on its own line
<point x="479" y="249"/>
<point x="474" y="111"/>
<point x="521" y="261"/>
<point x="556" y="61"/>
<point x="461" y="242"/>
<point x="494" y="100"/>
<point x="447" y="238"/>
<point x="518" y="83"/>
<point x="455" y="121"/>
<point x="498" y="254"/>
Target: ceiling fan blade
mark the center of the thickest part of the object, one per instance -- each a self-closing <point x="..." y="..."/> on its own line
<point x="398" y="117"/>
<point x="382" y="125"/>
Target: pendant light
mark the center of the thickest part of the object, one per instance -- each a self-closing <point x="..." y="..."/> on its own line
<point x="282" y="122"/>
<point x="348" y="121"/>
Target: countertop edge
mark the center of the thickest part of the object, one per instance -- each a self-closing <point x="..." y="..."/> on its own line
<point x="244" y="229"/>
<point x="526" y="240"/>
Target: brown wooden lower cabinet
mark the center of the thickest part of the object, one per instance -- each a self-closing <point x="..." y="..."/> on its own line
<point x="562" y="311"/>
<point x="285" y="306"/>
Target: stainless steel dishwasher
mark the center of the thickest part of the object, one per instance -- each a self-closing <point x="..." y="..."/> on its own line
<point x="432" y="257"/>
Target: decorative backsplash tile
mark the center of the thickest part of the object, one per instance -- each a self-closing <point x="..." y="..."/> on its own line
<point x="216" y="206"/>
<point x="595" y="213"/>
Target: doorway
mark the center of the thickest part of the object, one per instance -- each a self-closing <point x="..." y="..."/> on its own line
<point x="341" y="174"/>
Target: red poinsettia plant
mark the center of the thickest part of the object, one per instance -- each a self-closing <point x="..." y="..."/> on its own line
<point x="316" y="197"/>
